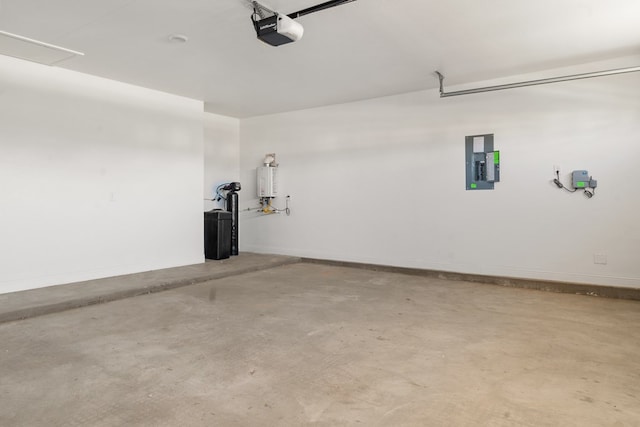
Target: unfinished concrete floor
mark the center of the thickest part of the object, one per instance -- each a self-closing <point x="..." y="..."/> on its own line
<point x="308" y="344"/>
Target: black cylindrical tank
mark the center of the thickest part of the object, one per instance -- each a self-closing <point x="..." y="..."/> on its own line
<point x="232" y="206"/>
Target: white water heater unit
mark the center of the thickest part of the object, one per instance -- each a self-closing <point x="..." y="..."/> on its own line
<point x="267" y="181"/>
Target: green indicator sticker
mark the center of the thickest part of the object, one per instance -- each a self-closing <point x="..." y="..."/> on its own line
<point x="474" y="185"/>
<point x="580" y="184"/>
<point x="496" y="157"/>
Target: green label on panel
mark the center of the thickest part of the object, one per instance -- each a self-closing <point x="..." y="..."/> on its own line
<point x="496" y="157"/>
<point x="474" y="185"/>
<point x="580" y="184"/>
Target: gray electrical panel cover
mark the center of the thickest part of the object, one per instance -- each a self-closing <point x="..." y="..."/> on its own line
<point x="482" y="162"/>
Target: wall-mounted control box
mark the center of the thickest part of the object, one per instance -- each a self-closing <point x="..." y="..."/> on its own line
<point x="581" y="179"/>
<point x="482" y="162"/>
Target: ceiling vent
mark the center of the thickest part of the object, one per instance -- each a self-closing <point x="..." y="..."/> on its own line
<point x="34" y="50"/>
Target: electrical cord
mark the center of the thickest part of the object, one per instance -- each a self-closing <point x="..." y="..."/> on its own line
<point x="557" y="182"/>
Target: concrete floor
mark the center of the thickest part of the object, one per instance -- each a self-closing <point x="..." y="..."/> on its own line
<point x="52" y="299"/>
<point x="307" y="344"/>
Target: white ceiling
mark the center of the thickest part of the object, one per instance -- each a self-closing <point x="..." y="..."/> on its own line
<point x="360" y="50"/>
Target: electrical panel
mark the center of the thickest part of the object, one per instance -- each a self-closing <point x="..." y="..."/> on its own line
<point x="267" y="183"/>
<point x="482" y="162"/>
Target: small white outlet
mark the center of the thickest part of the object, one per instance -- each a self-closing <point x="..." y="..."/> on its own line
<point x="600" y="259"/>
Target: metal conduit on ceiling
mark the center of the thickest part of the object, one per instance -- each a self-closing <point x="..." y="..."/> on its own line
<point x="444" y="94"/>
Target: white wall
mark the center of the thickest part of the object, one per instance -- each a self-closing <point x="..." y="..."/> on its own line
<point x="97" y="178"/>
<point x="383" y="181"/>
<point x="221" y="155"/>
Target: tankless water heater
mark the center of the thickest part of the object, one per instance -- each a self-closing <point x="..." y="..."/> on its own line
<point x="267" y="181"/>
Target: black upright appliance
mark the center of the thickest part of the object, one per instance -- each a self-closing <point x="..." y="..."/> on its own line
<point x="217" y="234"/>
<point x="232" y="206"/>
<point x="232" y="189"/>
